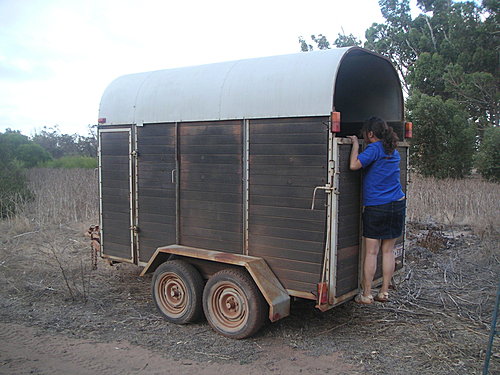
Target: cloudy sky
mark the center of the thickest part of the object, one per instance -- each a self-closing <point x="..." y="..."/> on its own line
<point x="57" y="56"/>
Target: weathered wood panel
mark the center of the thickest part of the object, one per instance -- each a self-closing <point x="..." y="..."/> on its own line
<point x="211" y="198"/>
<point x="156" y="191"/>
<point x="349" y="215"/>
<point x="115" y="193"/>
<point x="288" y="159"/>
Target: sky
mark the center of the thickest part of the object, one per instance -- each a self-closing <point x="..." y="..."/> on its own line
<point x="58" y="56"/>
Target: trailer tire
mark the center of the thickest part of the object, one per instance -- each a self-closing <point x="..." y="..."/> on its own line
<point x="233" y="305"/>
<point x="177" y="289"/>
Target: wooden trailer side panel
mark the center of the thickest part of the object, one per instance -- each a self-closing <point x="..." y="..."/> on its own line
<point x="288" y="159"/>
<point x="211" y="197"/>
<point x="156" y="198"/>
<point x="115" y="171"/>
<point x="348" y="234"/>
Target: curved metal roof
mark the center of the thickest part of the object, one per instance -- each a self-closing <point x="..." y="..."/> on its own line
<point x="300" y="84"/>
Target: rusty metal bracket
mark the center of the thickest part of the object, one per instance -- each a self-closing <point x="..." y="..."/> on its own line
<point x="95" y="246"/>
<point x="274" y="293"/>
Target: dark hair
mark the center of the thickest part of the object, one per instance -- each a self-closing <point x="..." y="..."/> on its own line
<point x="383" y="132"/>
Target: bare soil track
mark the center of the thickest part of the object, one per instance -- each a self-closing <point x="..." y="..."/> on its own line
<point x="58" y="316"/>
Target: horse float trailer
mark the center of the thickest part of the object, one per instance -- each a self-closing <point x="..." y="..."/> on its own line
<point x="231" y="181"/>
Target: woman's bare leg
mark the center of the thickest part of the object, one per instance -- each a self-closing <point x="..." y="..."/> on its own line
<point x="388" y="263"/>
<point x="372" y="246"/>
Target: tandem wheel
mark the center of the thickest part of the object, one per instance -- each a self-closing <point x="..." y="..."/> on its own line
<point x="233" y="305"/>
<point x="177" y="290"/>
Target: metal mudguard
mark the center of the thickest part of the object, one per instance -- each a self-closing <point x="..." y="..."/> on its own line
<point x="270" y="287"/>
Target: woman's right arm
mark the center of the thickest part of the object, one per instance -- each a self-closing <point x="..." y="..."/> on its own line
<point x="354" y="163"/>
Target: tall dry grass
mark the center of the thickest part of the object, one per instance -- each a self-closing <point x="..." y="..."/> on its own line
<point x="71" y="195"/>
<point x="471" y="201"/>
<point x="47" y="233"/>
<point x="62" y="196"/>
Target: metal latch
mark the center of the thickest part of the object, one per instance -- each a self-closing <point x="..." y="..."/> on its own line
<point x="134" y="228"/>
<point x="327" y="188"/>
<point x="135" y="153"/>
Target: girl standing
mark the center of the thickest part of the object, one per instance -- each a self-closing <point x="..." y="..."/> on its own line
<point x="383" y="200"/>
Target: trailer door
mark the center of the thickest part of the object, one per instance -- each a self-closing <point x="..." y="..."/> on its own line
<point x="211" y="188"/>
<point x="156" y="188"/>
<point x="115" y="192"/>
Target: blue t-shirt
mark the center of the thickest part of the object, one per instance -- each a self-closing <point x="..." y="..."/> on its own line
<point x="381" y="183"/>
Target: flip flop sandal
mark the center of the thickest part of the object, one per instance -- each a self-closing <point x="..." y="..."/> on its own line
<point x="363" y="300"/>
<point x="382" y="297"/>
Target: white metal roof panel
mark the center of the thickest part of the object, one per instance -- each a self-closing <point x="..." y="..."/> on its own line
<point x="299" y="84"/>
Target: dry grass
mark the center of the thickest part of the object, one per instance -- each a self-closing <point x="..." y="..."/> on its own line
<point x="62" y="196"/>
<point x="71" y="195"/>
<point x="65" y="204"/>
<point x="472" y="202"/>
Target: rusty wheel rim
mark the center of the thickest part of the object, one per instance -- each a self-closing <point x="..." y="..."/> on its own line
<point x="172" y="294"/>
<point x="229" y="307"/>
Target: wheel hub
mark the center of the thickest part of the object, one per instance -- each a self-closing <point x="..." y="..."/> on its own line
<point x="172" y="293"/>
<point x="231" y="306"/>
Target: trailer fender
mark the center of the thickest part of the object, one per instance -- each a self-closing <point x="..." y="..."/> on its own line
<point x="274" y="293"/>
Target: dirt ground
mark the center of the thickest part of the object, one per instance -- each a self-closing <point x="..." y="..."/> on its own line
<point x="58" y="316"/>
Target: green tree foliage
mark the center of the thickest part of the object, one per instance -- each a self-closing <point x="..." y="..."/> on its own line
<point x="18" y="149"/>
<point x="488" y="158"/>
<point x="450" y="51"/>
<point x="394" y="38"/>
<point x="32" y="155"/>
<point x="10" y="142"/>
<point x="346" y="41"/>
<point x="59" y="145"/>
<point x="443" y="141"/>
<point x="322" y="42"/>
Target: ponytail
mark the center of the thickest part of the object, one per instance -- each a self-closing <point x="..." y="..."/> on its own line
<point x="383" y="132"/>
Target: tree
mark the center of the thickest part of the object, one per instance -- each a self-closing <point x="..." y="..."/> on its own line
<point x="346" y="41"/>
<point x="320" y="40"/>
<point x="32" y="155"/>
<point x="488" y="158"/>
<point x="395" y="38"/>
<point x="443" y="142"/>
<point x="323" y="43"/>
<point x="10" y="141"/>
<point x="59" y="145"/>
<point x="449" y="52"/>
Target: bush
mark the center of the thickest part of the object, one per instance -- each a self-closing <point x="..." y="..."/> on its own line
<point x="14" y="191"/>
<point x="443" y="139"/>
<point x="72" y="162"/>
<point x="32" y="154"/>
<point x="488" y="158"/>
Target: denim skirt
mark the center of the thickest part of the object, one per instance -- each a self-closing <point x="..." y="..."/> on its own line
<point x="384" y="221"/>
